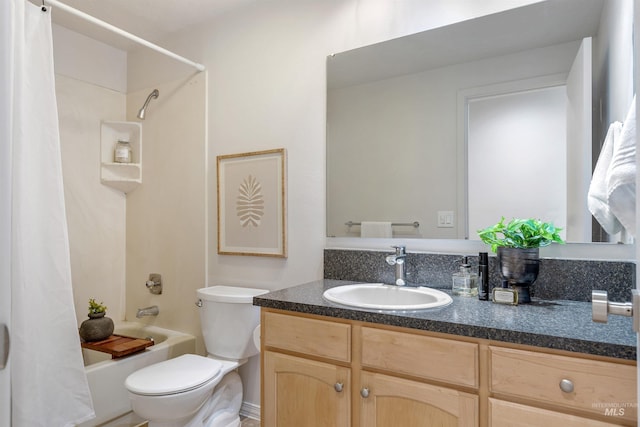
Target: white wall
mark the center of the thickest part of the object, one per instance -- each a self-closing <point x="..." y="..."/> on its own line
<point x="267" y="76"/>
<point x="266" y="89"/>
<point x="89" y="78"/>
<point x="166" y="223"/>
<point x="95" y="213"/>
<point x="89" y="60"/>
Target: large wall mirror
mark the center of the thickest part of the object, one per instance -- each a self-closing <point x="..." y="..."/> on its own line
<point x="443" y="132"/>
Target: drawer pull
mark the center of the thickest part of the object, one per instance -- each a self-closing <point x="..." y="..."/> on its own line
<point x="338" y="387"/>
<point x="566" y="386"/>
<point x="364" y="392"/>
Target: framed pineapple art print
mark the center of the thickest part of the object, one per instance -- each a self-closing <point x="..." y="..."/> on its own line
<point x="252" y="202"/>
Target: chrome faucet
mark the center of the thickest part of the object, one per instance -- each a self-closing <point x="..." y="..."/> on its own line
<point x="398" y="259"/>
<point x="148" y="311"/>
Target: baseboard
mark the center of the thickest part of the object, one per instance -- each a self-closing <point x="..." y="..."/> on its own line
<point x="250" y="410"/>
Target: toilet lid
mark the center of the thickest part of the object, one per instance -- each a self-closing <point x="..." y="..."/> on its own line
<point x="177" y="375"/>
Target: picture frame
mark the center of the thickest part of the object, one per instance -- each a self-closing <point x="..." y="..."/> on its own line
<point x="252" y="200"/>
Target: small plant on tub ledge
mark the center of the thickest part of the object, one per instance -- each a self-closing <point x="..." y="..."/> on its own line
<point x="517" y="244"/>
<point x="97" y="327"/>
<point x="95" y="308"/>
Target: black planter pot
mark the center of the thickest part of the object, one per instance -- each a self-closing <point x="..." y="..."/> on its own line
<point x="520" y="268"/>
<point x="96" y="328"/>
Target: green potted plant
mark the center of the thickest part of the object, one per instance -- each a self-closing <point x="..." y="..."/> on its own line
<point x="97" y="327"/>
<point x="95" y="309"/>
<point x="517" y="245"/>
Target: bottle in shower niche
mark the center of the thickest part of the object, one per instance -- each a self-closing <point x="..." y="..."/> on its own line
<point x="122" y="152"/>
<point x="465" y="282"/>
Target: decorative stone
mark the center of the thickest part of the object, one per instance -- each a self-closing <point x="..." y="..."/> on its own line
<point x="96" y="328"/>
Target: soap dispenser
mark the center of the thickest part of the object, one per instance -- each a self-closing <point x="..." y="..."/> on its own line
<point x="465" y="283"/>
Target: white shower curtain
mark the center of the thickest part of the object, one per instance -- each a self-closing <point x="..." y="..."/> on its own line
<point x="48" y="384"/>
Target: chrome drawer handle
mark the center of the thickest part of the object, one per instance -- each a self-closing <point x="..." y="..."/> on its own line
<point x="364" y="392"/>
<point x="566" y="386"/>
<point x="338" y="387"/>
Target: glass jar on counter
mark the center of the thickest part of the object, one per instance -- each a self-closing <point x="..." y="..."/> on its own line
<point x="122" y="152"/>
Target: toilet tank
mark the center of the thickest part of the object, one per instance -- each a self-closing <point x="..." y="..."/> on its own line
<point x="228" y="319"/>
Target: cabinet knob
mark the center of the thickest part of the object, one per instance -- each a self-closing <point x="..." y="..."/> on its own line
<point x="338" y="387"/>
<point x="566" y="385"/>
<point x="364" y="392"/>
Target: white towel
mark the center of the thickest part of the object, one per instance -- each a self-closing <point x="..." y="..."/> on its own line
<point x="597" y="197"/>
<point x="621" y="178"/>
<point x="375" y="229"/>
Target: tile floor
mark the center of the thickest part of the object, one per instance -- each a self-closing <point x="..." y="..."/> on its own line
<point x="248" y="422"/>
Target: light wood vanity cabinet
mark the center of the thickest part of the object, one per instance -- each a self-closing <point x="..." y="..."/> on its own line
<point x="330" y="372"/>
<point x="320" y="371"/>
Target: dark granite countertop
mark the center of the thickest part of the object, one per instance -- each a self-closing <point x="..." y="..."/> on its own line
<point x="562" y="325"/>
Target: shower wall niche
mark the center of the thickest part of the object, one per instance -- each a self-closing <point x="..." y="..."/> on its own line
<point x="121" y="176"/>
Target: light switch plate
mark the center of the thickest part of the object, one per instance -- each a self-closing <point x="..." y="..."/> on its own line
<point x="446" y="219"/>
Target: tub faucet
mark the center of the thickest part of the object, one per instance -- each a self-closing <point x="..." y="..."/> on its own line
<point x="398" y="259"/>
<point x="148" y="311"/>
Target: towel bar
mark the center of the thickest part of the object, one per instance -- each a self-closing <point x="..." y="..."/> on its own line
<point x="414" y="224"/>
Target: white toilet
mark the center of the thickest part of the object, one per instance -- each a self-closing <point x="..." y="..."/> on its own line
<point x="192" y="390"/>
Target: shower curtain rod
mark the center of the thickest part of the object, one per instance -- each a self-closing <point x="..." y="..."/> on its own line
<point x="123" y="33"/>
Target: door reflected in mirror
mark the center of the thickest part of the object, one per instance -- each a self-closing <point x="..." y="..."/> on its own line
<point x="528" y="179"/>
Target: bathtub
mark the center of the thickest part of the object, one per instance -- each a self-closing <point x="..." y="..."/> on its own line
<point x="106" y="376"/>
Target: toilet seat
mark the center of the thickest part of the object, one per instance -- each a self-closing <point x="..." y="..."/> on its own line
<point x="173" y="376"/>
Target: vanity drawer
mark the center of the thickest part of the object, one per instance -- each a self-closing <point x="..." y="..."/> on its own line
<point x="314" y="337"/>
<point x="592" y="386"/>
<point x="509" y="414"/>
<point x="439" y="359"/>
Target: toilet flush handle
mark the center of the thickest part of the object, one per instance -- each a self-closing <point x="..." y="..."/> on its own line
<point x="199" y="303"/>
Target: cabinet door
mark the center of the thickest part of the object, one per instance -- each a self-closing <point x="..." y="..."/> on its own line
<point x="392" y="402"/>
<point x="300" y="392"/>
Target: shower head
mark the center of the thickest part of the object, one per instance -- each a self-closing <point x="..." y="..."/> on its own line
<point x="153" y="94"/>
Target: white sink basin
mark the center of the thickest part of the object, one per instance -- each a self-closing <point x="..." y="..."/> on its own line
<point x="378" y="296"/>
